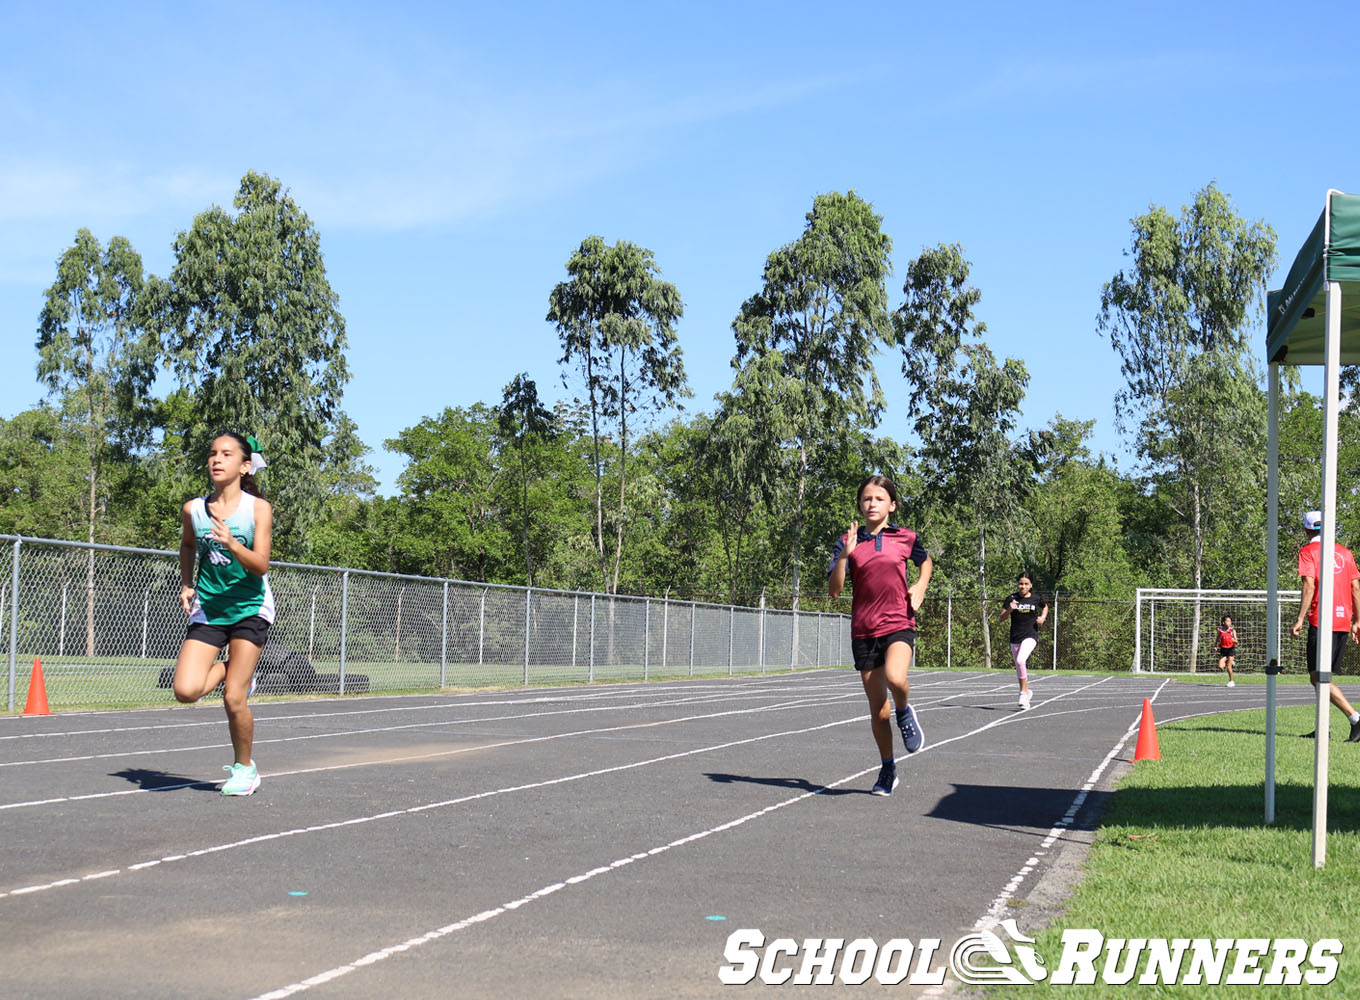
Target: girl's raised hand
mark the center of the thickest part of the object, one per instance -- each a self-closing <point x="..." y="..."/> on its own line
<point x="220" y="532"/>
<point x="851" y="538"/>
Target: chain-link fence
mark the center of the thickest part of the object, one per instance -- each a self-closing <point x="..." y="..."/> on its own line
<point x="106" y="623"/>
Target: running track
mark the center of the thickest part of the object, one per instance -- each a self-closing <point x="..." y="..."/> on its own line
<point x="543" y="843"/>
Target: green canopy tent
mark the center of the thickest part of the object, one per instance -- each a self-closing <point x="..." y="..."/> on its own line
<point x="1313" y="320"/>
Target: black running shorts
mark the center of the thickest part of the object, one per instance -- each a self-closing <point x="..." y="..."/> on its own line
<point x="870" y="653"/>
<point x="253" y="629"/>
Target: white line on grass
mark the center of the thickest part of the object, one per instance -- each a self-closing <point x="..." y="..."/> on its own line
<point x="996" y="910"/>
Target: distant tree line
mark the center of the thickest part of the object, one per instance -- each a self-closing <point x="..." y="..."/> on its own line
<point x="615" y="487"/>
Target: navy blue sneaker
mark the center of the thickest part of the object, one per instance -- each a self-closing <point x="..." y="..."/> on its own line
<point x="887" y="780"/>
<point x="912" y="737"/>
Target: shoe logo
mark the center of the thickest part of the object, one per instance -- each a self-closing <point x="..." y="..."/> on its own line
<point x="1004" y="970"/>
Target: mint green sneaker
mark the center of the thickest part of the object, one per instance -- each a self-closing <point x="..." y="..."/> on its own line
<point x="245" y="778"/>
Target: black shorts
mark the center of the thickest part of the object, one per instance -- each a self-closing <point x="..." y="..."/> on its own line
<point x="1229" y="651"/>
<point x="870" y="653"/>
<point x="1338" y="649"/>
<point x="253" y="629"/>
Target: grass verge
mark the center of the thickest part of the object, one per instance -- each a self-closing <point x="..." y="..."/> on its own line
<point x="1183" y="852"/>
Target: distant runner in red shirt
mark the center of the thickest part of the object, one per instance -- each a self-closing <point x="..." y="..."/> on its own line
<point x="882" y="615"/>
<point x="1345" y="600"/>
<point x="1227" y="647"/>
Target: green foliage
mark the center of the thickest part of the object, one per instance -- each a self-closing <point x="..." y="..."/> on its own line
<point x="43" y="470"/>
<point x="94" y="354"/>
<point x="257" y="336"/>
<point x="965" y="404"/>
<point x="526" y="430"/>
<point x="448" y="518"/>
<point x="812" y="332"/>
<point x="616" y="320"/>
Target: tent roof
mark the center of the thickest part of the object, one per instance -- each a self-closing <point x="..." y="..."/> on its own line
<point x="1296" y="326"/>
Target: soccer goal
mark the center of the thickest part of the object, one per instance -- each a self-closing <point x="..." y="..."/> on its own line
<point x="1177" y="630"/>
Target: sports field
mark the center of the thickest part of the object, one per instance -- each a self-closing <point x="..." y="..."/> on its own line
<point x="602" y="840"/>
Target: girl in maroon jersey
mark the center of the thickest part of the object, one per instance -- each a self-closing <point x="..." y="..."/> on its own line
<point x="882" y="615"/>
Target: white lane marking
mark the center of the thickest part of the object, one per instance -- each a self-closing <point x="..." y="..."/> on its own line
<point x="440" y="932"/>
<point x="425" y="807"/>
<point x="424" y="724"/>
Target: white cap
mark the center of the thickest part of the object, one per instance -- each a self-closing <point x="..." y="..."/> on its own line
<point x="1312" y="521"/>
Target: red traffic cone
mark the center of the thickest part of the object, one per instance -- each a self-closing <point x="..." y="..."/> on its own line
<point x="1147" y="748"/>
<point x="37" y="692"/>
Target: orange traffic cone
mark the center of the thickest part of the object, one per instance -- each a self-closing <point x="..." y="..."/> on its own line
<point x="1147" y="748"/>
<point x="37" y="692"/>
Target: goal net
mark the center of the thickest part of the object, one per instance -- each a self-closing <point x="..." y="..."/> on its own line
<point x="1177" y="630"/>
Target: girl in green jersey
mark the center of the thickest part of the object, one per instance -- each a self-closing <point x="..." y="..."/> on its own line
<point x="228" y="601"/>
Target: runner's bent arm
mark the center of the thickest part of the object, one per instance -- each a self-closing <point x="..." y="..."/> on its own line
<point x="916" y="593"/>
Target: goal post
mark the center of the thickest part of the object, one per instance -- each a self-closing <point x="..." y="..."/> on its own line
<point x="1176" y="630"/>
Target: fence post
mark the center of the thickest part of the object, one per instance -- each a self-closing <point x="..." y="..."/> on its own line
<point x="949" y="631"/>
<point x="575" y="614"/>
<point x="1055" y="627"/>
<point x="61" y="636"/>
<point x="731" y="635"/>
<point x="481" y="631"/>
<point x="693" y="613"/>
<point x="344" y="625"/>
<point x="528" y="595"/>
<point x="146" y="612"/>
<point x="311" y="627"/>
<point x="760" y="652"/>
<point x="646" y="636"/>
<point x="13" y="618"/>
<point x="591" y="675"/>
<point x="665" y="625"/>
<point x="444" y="639"/>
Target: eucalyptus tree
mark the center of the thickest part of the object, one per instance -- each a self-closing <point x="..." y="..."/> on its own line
<point x="1180" y="319"/>
<point x="256" y="334"/>
<point x="965" y="406"/>
<point x="616" y="321"/>
<point x="95" y="355"/>
<point x="818" y="320"/>
<point x="525" y="425"/>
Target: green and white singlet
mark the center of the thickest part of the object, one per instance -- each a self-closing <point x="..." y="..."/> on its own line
<point x="225" y="592"/>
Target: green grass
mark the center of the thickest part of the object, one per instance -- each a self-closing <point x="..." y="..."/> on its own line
<point x="1183" y="852"/>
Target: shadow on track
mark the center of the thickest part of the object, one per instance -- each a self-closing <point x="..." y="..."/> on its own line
<point x="796" y="784"/>
<point x="162" y="781"/>
<point x="1012" y="807"/>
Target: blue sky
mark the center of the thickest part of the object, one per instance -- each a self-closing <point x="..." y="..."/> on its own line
<point x="453" y="155"/>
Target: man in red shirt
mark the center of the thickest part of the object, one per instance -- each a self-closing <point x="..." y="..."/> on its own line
<point x="1344" y="617"/>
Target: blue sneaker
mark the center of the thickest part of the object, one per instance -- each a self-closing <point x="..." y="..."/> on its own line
<point x="887" y="780"/>
<point x="245" y="778"/>
<point x="912" y="737"/>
